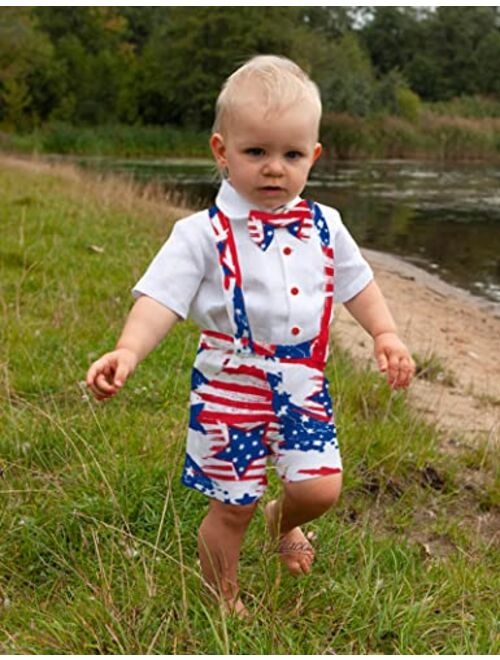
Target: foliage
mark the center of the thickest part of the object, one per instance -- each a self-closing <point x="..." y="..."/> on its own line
<point x="347" y="83"/>
<point x="442" y="53"/>
<point x="98" y="543"/>
<point x="24" y="55"/>
<point x="165" y="65"/>
<point x="112" y="140"/>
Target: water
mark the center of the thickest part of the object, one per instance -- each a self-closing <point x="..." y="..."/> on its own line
<point x="443" y="218"/>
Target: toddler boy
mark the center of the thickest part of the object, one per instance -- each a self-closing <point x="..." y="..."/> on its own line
<point x="258" y="272"/>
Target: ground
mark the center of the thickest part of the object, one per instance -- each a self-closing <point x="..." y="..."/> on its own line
<point x="456" y="338"/>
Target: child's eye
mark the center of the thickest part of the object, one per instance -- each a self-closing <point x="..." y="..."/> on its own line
<point x="293" y="154"/>
<point x="254" y="151"/>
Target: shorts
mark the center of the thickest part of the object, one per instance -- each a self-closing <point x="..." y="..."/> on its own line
<point x="249" y="411"/>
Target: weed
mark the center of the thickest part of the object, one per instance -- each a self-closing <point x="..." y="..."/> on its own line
<point x="430" y="367"/>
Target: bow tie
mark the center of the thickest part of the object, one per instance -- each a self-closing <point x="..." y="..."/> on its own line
<point x="298" y="221"/>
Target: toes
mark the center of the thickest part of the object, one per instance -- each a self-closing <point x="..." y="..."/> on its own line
<point x="295" y="568"/>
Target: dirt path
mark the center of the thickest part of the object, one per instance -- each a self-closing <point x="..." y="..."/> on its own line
<point x="457" y="333"/>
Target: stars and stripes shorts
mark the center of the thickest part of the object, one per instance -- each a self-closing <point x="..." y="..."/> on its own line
<point x="249" y="411"/>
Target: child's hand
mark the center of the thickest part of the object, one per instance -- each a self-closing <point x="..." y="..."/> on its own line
<point x="108" y="374"/>
<point x="394" y="360"/>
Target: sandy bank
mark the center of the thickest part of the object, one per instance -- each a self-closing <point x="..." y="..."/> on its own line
<point x="453" y="329"/>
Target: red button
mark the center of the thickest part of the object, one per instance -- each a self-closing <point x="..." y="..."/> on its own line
<point x="295" y="330"/>
<point x="287" y="250"/>
<point x="294" y="291"/>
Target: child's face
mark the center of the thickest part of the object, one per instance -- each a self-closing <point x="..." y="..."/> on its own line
<point x="268" y="157"/>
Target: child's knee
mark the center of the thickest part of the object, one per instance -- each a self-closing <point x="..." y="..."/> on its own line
<point x="233" y="515"/>
<point x="320" y="493"/>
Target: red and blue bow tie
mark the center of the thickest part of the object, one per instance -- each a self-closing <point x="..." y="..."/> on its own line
<point x="262" y="224"/>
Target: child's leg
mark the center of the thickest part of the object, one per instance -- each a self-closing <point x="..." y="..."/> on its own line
<point x="301" y="502"/>
<point x="219" y="542"/>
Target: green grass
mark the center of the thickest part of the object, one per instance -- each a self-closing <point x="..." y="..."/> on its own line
<point x="98" y="537"/>
<point x="110" y="140"/>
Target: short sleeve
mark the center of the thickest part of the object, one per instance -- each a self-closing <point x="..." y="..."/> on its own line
<point x="174" y="275"/>
<point x="352" y="273"/>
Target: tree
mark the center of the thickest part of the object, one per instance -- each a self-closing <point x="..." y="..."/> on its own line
<point x="347" y="81"/>
<point x="23" y="53"/>
<point x="189" y="56"/>
<point x="95" y="64"/>
<point x="488" y="62"/>
<point x="329" y="22"/>
<point x="392" y="37"/>
<point x="454" y="36"/>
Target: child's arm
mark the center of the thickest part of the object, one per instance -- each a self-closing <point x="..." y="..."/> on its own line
<point x="393" y="358"/>
<point x="147" y="324"/>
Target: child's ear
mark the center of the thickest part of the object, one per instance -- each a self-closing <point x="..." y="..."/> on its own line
<point x="318" y="148"/>
<point x="218" y="150"/>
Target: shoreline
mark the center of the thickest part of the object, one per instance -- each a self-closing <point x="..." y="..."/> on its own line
<point x="442" y="324"/>
<point x="433" y="281"/>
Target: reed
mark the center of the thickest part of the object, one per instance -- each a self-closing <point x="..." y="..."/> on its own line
<point x="433" y="136"/>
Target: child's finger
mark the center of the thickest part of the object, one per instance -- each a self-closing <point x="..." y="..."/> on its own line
<point x="382" y="362"/>
<point x="101" y="366"/>
<point x="404" y="373"/>
<point x="393" y="370"/>
<point x="121" y="374"/>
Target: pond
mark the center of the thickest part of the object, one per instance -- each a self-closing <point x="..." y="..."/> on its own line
<point x="444" y="218"/>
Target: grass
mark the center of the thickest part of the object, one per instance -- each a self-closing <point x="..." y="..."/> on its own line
<point x="98" y="537"/>
<point x="110" y="140"/>
<point x="430" y="367"/>
<point x="432" y="136"/>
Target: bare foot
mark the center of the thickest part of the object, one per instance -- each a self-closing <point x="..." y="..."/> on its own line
<point x="230" y="606"/>
<point x="294" y="549"/>
<point x="235" y="608"/>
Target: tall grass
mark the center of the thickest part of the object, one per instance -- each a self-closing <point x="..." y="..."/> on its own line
<point x="98" y="537"/>
<point x="110" y="140"/>
<point x="432" y="136"/>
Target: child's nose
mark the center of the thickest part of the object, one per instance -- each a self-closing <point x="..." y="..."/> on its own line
<point x="273" y="167"/>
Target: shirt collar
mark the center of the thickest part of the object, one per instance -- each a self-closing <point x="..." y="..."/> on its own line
<point x="232" y="204"/>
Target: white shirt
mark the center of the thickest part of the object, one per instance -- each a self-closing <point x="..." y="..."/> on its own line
<point x="283" y="287"/>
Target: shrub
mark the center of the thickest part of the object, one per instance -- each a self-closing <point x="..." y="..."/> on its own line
<point x="345" y="136"/>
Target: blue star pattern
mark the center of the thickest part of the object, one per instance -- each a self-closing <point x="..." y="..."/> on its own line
<point x="320" y="223"/>
<point x="193" y="477"/>
<point x="245" y="446"/>
<point x="194" y="412"/>
<point x="300" y="429"/>
<point x="323" y="398"/>
<point x="197" y="379"/>
<point x="240" y="315"/>
<point x="293" y="351"/>
<point x="268" y="231"/>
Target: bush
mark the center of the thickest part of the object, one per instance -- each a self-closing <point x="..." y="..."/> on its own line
<point x="345" y="136"/>
<point x="396" y="138"/>
<point x="472" y="107"/>
<point x="458" y="138"/>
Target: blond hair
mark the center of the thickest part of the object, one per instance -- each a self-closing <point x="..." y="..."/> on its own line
<point x="280" y="83"/>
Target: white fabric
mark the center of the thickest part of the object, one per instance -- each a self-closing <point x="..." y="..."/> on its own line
<point x="185" y="275"/>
